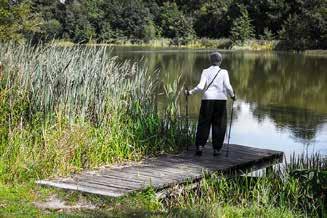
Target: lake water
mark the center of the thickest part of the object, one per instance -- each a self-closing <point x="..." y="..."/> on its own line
<point x="281" y="96"/>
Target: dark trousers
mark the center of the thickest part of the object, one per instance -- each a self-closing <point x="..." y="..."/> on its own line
<point x="212" y="113"/>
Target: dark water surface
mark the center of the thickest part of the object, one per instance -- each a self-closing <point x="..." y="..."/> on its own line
<point x="282" y="97"/>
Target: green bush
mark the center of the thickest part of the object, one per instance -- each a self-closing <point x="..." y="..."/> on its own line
<point x="174" y="23"/>
<point x="242" y="28"/>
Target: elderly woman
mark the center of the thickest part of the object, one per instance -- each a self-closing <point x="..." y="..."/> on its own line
<point x="215" y="86"/>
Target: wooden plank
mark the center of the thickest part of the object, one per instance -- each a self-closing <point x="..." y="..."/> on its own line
<point x="191" y="174"/>
<point x="146" y="177"/>
<point x="154" y="176"/>
<point x="117" y="178"/>
<point x="245" y="153"/>
<point x="116" y="183"/>
<point x="218" y="164"/>
<point x="123" y="178"/>
<point x="259" y="152"/>
<point x="105" y="185"/>
<point x="125" y="175"/>
<point x="166" y="169"/>
<point x="237" y="148"/>
<point x="93" y="185"/>
<point x="170" y="179"/>
<point x="182" y="167"/>
<point x="75" y="187"/>
<point x="248" y="148"/>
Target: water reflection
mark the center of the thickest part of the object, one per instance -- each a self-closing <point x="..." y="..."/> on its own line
<point x="282" y="96"/>
<point x="303" y="124"/>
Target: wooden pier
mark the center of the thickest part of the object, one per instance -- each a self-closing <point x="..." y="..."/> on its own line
<point x="167" y="170"/>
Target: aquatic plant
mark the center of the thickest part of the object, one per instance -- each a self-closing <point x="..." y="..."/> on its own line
<point x="65" y="109"/>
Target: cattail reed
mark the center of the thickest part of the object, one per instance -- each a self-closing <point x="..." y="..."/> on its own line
<point x="71" y="108"/>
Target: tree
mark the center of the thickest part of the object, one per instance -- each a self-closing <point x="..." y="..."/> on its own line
<point x="17" y="23"/>
<point x="242" y="28"/>
<point x="105" y="32"/>
<point x="211" y="20"/>
<point x="173" y="22"/>
<point x="306" y="27"/>
<point x="295" y="31"/>
<point x="150" y="31"/>
<point x="52" y="26"/>
<point x="95" y="16"/>
<point x="127" y="18"/>
<point x="267" y="14"/>
<point x="267" y="34"/>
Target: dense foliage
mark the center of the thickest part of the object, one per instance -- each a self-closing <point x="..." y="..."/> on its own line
<point x="299" y="24"/>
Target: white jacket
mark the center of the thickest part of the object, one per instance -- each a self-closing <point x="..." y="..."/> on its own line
<point x="219" y="89"/>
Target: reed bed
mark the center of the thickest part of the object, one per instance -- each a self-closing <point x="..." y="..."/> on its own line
<point x="71" y="108"/>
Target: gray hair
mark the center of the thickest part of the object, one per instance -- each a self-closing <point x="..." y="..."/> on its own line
<point x="216" y="58"/>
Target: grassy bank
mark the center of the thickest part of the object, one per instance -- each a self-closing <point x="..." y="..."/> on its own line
<point x="204" y="43"/>
<point x="224" y="43"/>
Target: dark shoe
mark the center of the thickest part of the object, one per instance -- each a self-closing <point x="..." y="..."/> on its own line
<point x="216" y="152"/>
<point x="199" y="151"/>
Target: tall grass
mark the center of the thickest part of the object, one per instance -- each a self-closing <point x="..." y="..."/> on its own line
<point x="65" y="109"/>
<point x="79" y="81"/>
<point x="298" y="190"/>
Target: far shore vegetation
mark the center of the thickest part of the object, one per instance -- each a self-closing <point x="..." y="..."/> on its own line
<point x="229" y="24"/>
<point x="203" y="43"/>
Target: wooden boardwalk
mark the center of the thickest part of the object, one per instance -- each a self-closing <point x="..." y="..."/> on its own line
<point x="167" y="170"/>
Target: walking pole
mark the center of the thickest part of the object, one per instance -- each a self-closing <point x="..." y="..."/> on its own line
<point x="186" y="111"/>
<point x="230" y="128"/>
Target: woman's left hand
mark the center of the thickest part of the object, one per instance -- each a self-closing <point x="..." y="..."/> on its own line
<point x="186" y="92"/>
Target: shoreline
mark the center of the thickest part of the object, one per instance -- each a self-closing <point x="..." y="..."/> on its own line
<point x="164" y="43"/>
<point x="221" y="44"/>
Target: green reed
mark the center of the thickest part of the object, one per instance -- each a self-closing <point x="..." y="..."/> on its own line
<point x="66" y="109"/>
<point x="81" y="81"/>
<point x="299" y="189"/>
